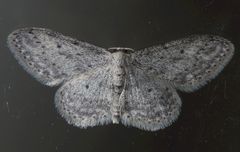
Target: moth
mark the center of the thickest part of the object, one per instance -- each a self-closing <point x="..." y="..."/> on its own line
<point x="100" y="86"/>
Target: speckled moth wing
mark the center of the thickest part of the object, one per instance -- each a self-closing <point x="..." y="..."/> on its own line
<point x="187" y="63"/>
<point x="53" y="58"/>
<point x="150" y="104"/>
<point x="85" y="101"/>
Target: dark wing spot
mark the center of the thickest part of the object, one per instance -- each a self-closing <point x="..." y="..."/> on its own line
<point x="75" y="42"/>
<point x="87" y="86"/>
<point x="150" y="68"/>
<point x="52" y="34"/>
<point x="30" y="31"/>
<point x="199" y="77"/>
<point x="214" y="65"/>
<point x="59" y="46"/>
<point x="208" y="71"/>
<point x="120" y="86"/>
<point x="149" y="90"/>
<point x="181" y="51"/>
<point x="165" y="47"/>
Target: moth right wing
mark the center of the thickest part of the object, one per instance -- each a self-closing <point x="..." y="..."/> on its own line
<point x="51" y="57"/>
<point x="188" y="63"/>
<point x="150" y="103"/>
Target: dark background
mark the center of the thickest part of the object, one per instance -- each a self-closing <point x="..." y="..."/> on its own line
<point x="210" y="117"/>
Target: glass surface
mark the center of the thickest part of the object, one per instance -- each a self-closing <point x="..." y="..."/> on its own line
<point x="210" y="117"/>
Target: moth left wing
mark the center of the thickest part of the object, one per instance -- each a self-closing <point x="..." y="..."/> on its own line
<point x="85" y="101"/>
<point x="53" y="58"/>
<point x="186" y="63"/>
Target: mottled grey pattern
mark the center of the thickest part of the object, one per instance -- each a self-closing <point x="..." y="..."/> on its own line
<point x="136" y="88"/>
<point x="149" y="103"/>
<point x="51" y="57"/>
<point x="86" y="100"/>
<point x="187" y="63"/>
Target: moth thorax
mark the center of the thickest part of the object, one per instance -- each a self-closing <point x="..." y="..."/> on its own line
<point x="118" y="71"/>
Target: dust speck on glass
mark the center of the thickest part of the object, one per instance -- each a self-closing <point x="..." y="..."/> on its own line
<point x="101" y="86"/>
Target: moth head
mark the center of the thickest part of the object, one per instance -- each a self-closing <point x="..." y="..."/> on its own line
<point x="120" y="49"/>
